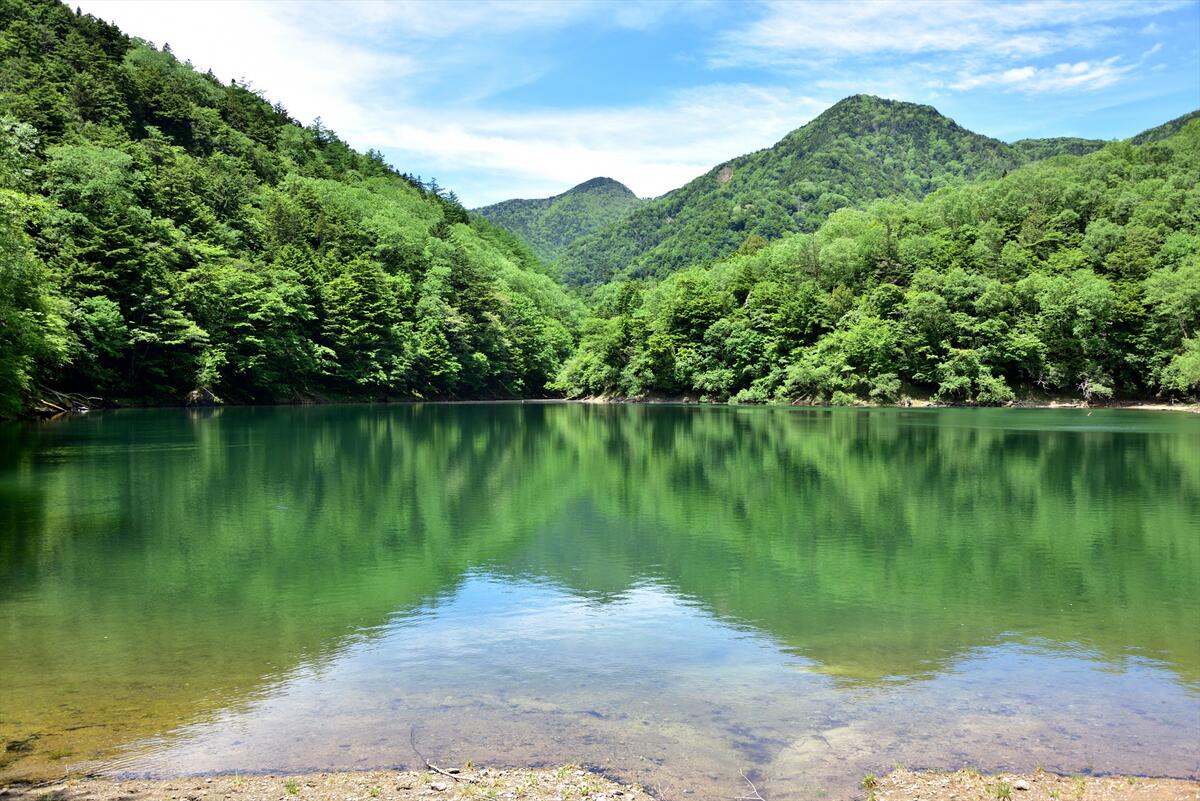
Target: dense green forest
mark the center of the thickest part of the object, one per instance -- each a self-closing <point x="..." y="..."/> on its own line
<point x="163" y="234"/>
<point x="550" y="224"/>
<point x="861" y="149"/>
<point x="161" y="231"/>
<point x="1079" y="276"/>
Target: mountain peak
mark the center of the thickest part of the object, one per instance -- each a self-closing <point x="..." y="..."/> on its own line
<point x="868" y="112"/>
<point x="549" y="224"/>
<point x="600" y="183"/>
<point x="862" y="148"/>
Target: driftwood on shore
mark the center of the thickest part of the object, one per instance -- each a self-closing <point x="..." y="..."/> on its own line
<point x="51" y="402"/>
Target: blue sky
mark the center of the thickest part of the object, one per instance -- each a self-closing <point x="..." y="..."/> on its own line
<point x="524" y="98"/>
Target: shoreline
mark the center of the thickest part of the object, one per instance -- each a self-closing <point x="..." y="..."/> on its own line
<point x="578" y="784"/>
<point x="971" y="785"/>
<point x="452" y="784"/>
<point x="600" y="400"/>
<point x="914" y="403"/>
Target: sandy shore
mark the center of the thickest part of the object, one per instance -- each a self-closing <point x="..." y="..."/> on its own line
<point x="571" y="783"/>
<point x="969" y="785"/>
<point x="568" y="783"/>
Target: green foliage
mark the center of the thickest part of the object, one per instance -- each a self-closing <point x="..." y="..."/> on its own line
<point x="32" y="334"/>
<point x="1158" y="133"/>
<point x="551" y="224"/>
<point x="162" y="231"/>
<point x="1037" y="149"/>
<point x="1075" y="276"/>
<point x="1182" y="374"/>
<point x="861" y="149"/>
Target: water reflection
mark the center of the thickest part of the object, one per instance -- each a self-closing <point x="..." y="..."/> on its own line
<point x="675" y="593"/>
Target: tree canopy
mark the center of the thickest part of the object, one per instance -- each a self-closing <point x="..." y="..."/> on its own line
<point x="861" y="149"/>
<point x="162" y="231"/>
<point x="1076" y="276"/>
<point x="551" y="224"/>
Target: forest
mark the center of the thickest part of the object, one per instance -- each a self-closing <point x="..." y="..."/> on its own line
<point x="1078" y="276"/>
<point x="165" y="235"/>
<point x="861" y="149"/>
<point x="550" y="225"/>
<point x="162" y="232"/>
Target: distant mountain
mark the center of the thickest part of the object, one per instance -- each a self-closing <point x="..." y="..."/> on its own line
<point x="858" y="150"/>
<point x="1161" y="132"/>
<point x="550" y="224"/>
<point x="1038" y="149"/>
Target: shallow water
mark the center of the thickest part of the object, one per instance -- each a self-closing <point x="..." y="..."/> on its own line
<point x="675" y="594"/>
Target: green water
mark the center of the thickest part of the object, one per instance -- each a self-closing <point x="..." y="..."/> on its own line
<point x="675" y="594"/>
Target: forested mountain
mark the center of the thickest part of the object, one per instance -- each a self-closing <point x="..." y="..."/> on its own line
<point x="161" y="231"/>
<point x="859" y="149"/>
<point x="1160" y="132"/>
<point x="1037" y="149"/>
<point x="1077" y="276"/>
<point x="550" y="224"/>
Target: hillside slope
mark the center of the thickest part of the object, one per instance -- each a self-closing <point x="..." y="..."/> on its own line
<point x="1038" y="149"/>
<point x="550" y="224"/>
<point x="860" y="149"/>
<point x="1075" y="276"/>
<point x="161" y="231"/>
<point x="1169" y="128"/>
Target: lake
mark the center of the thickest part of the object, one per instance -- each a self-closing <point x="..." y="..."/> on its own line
<point x="676" y="594"/>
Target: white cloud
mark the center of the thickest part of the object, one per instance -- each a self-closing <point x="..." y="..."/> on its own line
<point x="800" y="31"/>
<point x="339" y="61"/>
<point x="310" y="72"/>
<point x="1082" y="75"/>
<point x="424" y="81"/>
<point x="650" y="148"/>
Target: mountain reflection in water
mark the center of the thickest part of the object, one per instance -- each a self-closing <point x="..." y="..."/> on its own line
<point x="674" y="593"/>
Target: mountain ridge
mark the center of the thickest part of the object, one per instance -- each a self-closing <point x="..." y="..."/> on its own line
<point x="861" y="148"/>
<point x="550" y="224"/>
<point x="1076" y="276"/>
<point x="1168" y="128"/>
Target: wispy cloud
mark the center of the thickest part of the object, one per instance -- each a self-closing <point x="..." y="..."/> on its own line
<point x="651" y="148"/>
<point x="1085" y="75"/>
<point x="527" y="97"/>
<point x="366" y="67"/>
<point x="794" y="31"/>
<point x="313" y="71"/>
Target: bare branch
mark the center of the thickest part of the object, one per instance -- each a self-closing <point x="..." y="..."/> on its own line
<point x="756" y="795"/>
<point x="412" y="740"/>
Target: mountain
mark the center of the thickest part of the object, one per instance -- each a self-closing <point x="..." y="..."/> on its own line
<point x="1157" y="134"/>
<point x="860" y="149"/>
<point x="1037" y="149"/>
<point x="1077" y="276"/>
<point x="163" y="232"/>
<point x="550" y="224"/>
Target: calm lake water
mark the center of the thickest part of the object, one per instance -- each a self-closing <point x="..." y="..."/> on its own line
<point x="676" y="594"/>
